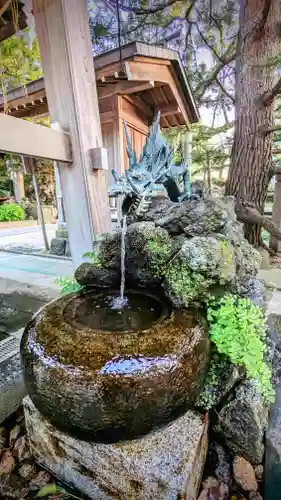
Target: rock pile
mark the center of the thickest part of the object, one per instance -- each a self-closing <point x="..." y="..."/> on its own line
<point x="195" y="250"/>
<point x="189" y="248"/>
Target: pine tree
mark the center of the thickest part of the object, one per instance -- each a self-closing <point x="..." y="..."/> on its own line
<point x="231" y="51"/>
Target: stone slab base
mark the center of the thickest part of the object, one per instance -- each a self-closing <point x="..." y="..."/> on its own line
<point x="12" y="388"/>
<point x="164" y="465"/>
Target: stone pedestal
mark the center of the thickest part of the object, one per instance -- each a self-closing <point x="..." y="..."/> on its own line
<point x="166" y="464"/>
<point x="60" y="244"/>
<point x="12" y="388"/>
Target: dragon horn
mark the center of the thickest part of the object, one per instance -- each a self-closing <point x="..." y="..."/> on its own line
<point x="115" y="175"/>
<point x="128" y="139"/>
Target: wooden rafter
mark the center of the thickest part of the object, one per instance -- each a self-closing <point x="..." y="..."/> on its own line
<point x="167" y="109"/>
<point x="123" y="88"/>
<point x="140" y="104"/>
<point x="4" y="4"/>
<point x="8" y="29"/>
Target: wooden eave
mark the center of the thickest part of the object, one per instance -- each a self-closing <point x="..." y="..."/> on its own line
<point x="151" y="77"/>
<point x="7" y="25"/>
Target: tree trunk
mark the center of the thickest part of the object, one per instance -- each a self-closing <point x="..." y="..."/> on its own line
<point x="251" y="154"/>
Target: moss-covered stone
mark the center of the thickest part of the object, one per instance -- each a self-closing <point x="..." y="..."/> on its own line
<point x="211" y="257"/>
<point x="184" y="287"/>
<point x="247" y="259"/>
<point x="220" y="379"/>
<point x="148" y="249"/>
<point x="88" y="274"/>
<point x="110" y="250"/>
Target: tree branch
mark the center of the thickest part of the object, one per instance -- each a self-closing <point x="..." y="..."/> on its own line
<point x="230" y="96"/>
<point x="212" y="49"/>
<point x="226" y="59"/>
<point x="275" y="169"/>
<point x="269" y="130"/>
<point x="153" y="10"/>
<point x="248" y="213"/>
<point x="260" y="26"/>
<point x="267" y="97"/>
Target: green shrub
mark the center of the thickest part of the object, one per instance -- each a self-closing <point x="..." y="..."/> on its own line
<point x="11" y="212"/>
<point x="237" y="328"/>
<point x="68" y="285"/>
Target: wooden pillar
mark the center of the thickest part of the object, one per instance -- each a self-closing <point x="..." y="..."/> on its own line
<point x="274" y="244"/>
<point x="187" y="150"/>
<point x="18" y="183"/>
<point x="64" y="39"/>
<point x="30" y="165"/>
<point x="118" y="146"/>
<point x="60" y="207"/>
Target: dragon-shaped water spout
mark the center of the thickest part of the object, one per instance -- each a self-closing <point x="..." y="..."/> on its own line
<point x="155" y="166"/>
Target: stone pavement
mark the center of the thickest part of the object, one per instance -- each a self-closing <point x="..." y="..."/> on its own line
<point x="33" y="271"/>
<point x="273" y="276"/>
<point x="25" y="239"/>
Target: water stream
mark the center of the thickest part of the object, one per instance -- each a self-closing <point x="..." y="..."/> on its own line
<point x="121" y="301"/>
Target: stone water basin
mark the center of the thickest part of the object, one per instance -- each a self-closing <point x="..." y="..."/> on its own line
<point x="104" y="374"/>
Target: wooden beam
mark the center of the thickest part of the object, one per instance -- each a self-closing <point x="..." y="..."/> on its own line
<point x="24" y="99"/>
<point x="64" y="38"/>
<point x="139" y="71"/>
<point x="102" y="73"/>
<point x="157" y="73"/>
<point x="4" y="5"/>
<point x="24" y="112"/>
<point x="9" y="29"/>
<point x="30" y="139"/>
<point x="140" y="104"/>
<point x="123" y="88"/>
<point x="152" y="60"/>
<point x="24" y="90"/>
<point x="167" y="109"/>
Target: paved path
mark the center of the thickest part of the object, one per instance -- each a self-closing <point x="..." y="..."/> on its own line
<point x="33" y="270"/>
<point x="25" y="239"/>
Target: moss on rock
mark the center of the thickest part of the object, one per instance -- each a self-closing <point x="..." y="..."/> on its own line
<point x="210" y="256"/>
<point x="183" y="286"/>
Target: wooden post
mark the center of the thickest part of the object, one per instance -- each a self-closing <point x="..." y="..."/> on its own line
<point x="30" y="164"/>
<point x="276" y="213"/>
<point x="209" y="173"/>
<point x="18" y="183"/>
<point x="118" y="140"/>
<point x="187" y="150"/>
<point x="64" y="39"/>
<point x="60" y="207"/>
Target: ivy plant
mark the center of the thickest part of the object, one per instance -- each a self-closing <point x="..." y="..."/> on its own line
<point x="237" y="328"/>
<point x="11" y="212"/>
<point x="68" y="285"/>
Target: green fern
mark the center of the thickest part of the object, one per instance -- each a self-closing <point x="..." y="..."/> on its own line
<point x="237" y="328"/>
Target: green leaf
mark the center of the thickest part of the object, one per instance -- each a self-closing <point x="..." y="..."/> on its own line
<point x="49" y="489"/>
<point x="237" y="328"/>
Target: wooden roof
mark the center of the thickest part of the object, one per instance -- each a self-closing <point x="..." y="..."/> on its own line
<point x="152" y="77"/>
<point x="7" y="25"/>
